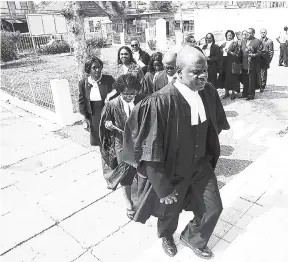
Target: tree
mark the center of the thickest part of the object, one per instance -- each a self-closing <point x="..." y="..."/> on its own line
<point x="75" y="22"/>
<point x="162" y="6"/>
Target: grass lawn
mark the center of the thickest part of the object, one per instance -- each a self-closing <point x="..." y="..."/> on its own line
<point x="35" y="72"/>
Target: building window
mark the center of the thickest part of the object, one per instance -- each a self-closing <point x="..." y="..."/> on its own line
<point x="91" y="26"/>
<point x="23" y="5"/>
<point x="129" y="4"/>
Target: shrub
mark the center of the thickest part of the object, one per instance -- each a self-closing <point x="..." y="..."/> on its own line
<point x="57" y="47"/>
<point x="97" y="42"/>
<point x="8" y="45"/>
<point x="152" y="44"/>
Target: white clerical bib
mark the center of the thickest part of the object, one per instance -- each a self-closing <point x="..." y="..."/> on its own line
<point x="195" y="102"/>
<point x="128" y="107"/>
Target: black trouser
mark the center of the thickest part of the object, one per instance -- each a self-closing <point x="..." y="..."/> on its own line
<point x="283" y="54"/>
<point x="263" y="78"/>
<point x="204" y="194"/>
<point x="249" y="81"/>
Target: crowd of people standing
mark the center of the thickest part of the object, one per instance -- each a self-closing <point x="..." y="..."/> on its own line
<point x="159" y="117"/>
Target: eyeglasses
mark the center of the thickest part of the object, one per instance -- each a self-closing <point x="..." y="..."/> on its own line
<point x="169" y="67"/>
<point x="125" y="94"/>
<point x="134" y="45"/>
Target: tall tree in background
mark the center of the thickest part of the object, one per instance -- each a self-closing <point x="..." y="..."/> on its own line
<point x="162" y="6"/>
<point x="76" y="34"/>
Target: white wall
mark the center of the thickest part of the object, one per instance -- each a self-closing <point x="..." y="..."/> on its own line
<point x="209" y="20"/>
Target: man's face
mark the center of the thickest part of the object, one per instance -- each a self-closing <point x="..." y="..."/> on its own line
<point x="250" y="34"/>
<point x="135" y="46"/>
<point x="244" y="35"/>
<point x="263" y="33"/>
<point x="195" y="75"/>
<point x="170" y="68"/>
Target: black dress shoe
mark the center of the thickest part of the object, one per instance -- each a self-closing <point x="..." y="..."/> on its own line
<point x="261" y="90"/>
<point x="250" y="98"/>
<point x="233" y="96"/>
<point x="169" y="246"/>
<point x="205" y="252"/>
<point x="243" y="96"/>
<point x="280" y="65"/>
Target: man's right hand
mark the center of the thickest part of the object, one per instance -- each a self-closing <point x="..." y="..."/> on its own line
<point x="170" y="199"/>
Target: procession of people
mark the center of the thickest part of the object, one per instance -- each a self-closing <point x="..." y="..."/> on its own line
<point x="161" y="118"/>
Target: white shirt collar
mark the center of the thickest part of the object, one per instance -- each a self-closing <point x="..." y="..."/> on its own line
<point x="194" y="100"/>
<point x="127" y="105"/>
<point x="136" y="55"/>
<point x="170" y="78"/>
<point x="94" y="82"/>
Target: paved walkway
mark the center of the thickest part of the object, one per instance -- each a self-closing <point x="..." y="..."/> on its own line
<point x="55" y="205"/>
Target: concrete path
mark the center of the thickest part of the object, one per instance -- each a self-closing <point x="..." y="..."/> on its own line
<point x="55" y="205"/>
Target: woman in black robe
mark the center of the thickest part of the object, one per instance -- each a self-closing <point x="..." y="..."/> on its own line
<point x="155" y="65"/>
<point x="213" y="55"/>
<point x="94" y="89"/>
<point x="115" y="114"/>
<point x="231" y="55"/>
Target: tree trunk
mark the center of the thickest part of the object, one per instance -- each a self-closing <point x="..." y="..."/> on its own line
<point x="76" y="33"/>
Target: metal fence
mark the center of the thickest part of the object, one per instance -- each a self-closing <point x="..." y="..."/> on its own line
<point x="40" y="94"/>
<point x="29" y="44"/>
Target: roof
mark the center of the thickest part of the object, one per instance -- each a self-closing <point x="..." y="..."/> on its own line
<point x="90" y="8"/>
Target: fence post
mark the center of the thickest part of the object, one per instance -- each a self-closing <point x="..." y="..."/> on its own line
<point x="32" y="91"/>
<point x="62" y="101"/>
<point x="122" y="38"/>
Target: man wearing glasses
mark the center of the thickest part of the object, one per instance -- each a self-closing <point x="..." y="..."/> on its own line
<point x="167" y="75"/>
<point x="141" y="57"/>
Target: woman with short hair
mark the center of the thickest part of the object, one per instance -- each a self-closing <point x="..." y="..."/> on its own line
<point x="113" y="119"/>
<point x="94" y="88"/>
<point x="155" y="65"/>
<point x="126" y="64"/>
<point x="213" y="55"/>
<point x="231" y="56"/>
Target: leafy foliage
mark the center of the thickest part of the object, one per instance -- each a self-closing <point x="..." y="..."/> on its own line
<point x="8" y="45"/>
<point x="162" y="6"/>
<point x="152" y="44"/>
<point x="97" y="42"/>
<point x="57" y="47"/>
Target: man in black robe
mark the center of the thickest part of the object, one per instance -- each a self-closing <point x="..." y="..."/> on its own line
<point x="171" y="137"/>
<point x="167" y="75"/>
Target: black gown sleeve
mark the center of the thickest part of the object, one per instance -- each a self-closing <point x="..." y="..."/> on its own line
<point x="221" y="119"/>
<point x="82" y="99"/>
<point x="156" y="175"/>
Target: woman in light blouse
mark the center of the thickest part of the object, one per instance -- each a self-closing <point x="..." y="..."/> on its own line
<point x="94" y="89"/>
<point x="127" y="64"/>
<point x="213" y="55"/>
<point x="231" y="54"/>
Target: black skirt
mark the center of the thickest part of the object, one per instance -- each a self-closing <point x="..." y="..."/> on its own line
<point x="94" y="119"/>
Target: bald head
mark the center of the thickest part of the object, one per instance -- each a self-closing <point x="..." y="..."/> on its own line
<point x="169" y="58"/>
<point x="192" y="68"/>
<point x="189" y="55"/>
<point x="169" y="62"/>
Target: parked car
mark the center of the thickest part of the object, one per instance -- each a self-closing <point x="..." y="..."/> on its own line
<point x="219" y="38"/>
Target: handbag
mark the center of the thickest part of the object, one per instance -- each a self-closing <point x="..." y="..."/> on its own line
<point x="236" y="69"/>
<point x="115" y="177"/>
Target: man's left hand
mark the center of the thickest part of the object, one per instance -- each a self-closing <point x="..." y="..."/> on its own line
<point x="170" y="199"/>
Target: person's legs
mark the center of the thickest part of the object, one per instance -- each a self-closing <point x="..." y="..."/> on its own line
<point x="208" y="207"/>
<point x="245" y="82"/>
<point x="285" y="55"/>
<point x="128" y="198"/>
<point x="252" y="84"/>
<point x="281" y="54"/>
<point x="263" y="79"/>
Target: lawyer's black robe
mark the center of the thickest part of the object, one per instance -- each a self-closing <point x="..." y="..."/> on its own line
<point x="151" y="134"/>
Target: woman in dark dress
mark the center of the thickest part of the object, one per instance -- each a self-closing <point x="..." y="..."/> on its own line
<point x="115" y="114"/>
<point x="155" y="65"/>
<point x="93" y="90"/>
<point x="231" y="54"/>
<point x="213" y="55"/>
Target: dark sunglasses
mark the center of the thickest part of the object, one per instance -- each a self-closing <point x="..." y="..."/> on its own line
<point x="134" y="45"/>
<point x="169" y="67"/>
